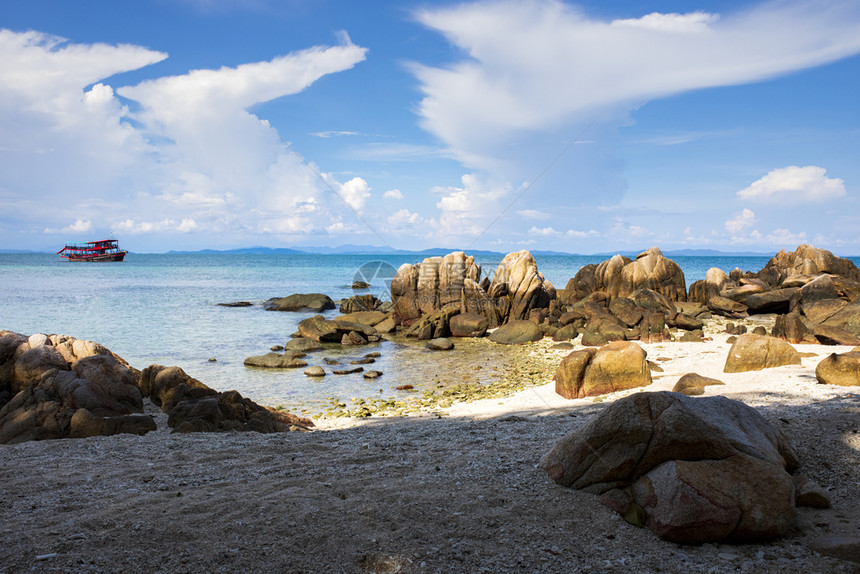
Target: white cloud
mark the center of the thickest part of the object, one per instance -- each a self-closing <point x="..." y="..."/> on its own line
<point x="393" y="194"/>
<point x="79" y="226"/>
<point x="582" y="234"/>
<point x="794" y="184"/>
<point x="188" y="147"/>
<point x="533" y="214"/>
<point x="354" y="192"/>
<point x="785" y="237"/>
<point x="405" y="217"/>
<point x="544" y="65"/>
<point x="544" y="231"/>
<point x="741" y="221"/>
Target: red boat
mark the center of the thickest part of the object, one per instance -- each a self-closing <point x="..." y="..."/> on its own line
<point x="104" y="250"/>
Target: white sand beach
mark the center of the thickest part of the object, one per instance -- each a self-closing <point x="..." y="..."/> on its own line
<point x="454" y="490"/>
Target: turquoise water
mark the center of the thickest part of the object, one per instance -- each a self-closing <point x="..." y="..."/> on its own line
<point x="163" y="309"/>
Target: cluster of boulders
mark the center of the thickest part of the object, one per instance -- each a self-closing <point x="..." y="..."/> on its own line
<point x="56" y="386"/>
<point x="691" y="470"/>
<point x="815" y="294"/>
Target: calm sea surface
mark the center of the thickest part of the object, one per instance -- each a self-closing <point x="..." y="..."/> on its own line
<point x="163" y="309"/>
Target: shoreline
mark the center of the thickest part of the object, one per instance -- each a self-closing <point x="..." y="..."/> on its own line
<point x="456" y="489"/>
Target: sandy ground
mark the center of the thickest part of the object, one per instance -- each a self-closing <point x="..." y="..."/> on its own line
<point x="457" y="491"/>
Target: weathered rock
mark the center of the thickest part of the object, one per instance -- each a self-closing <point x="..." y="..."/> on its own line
<point x="300" y="302"/>
<point x="518" y="281"/>
<point x="809" y="261"/>
<point x="441" y="344"/>
<point x="713" y="283"/>
<point x="354" y="338"/>
<point x="369" y="318"/>
<point x="592" y="339"/>
<point x="614" y="367"/>
<point x="566" y="333"/>
<point x="693" y="384"/>
<point x="626" y="311"/>
<point x="302" y="345"/>
<point x="436" y="282"/>
<point x="776" y="301"/>
<point x="696" y="336"/>
<point x="829" y="335"/>
<point x="700" y="469"/>
<point x="686" y="322"/>
<point x="315" y="371"/>
<point x="808" y="493"/>
<point x="755" y="352"/>
<point x="840" y="369"/>
<point x="349" y="371"/>
<point x="468" y="325"/>
<point x="842" y="547"/>
<point x="846" y="318"/>
<point x="191" y="406"/>
<point x="320" y="329"/>
<point x="792" y="328"/>
<point x="516" y="333"/>
<point x="360" y="285"/>
<point x="727" y="307"/>
<point x="84" y="424"/>
<point x="116" y="380"/>
<point x="33" y="363"/>
<point x="359" y="303"/>
<point x="819" y="311"/>
<point x="236" y="304"/>
<point x="372" y="375"/>
<point x="275" y="361"/>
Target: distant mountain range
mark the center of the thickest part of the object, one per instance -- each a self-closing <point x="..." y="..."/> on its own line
<point x="374" y="250"/>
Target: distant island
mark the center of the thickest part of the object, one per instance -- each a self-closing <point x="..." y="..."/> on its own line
<point x="376" y="250"/>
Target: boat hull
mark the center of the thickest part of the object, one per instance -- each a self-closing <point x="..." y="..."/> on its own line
<point x="98" y="258"/>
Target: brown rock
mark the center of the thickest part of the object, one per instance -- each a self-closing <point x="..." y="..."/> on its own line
<point x="703" y="469"/>
<point x="792" y="328"/>
<point x="829" y="335"/>
<point x="727" y="307"/>
<point x="517" y="333"/>
<point x="616" y="366"/>
<point x="755" y="352"/>
<point x="693" y="384"/>
<point x="808" y="493"/>
<point x="839" y="369"/>
<point x="842" y="547"/>
<point x="518" y="280"/>
<point x="468" y="325"/>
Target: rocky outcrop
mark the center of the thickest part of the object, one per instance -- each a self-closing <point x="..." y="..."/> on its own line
<point x="300" y="302"/>
<point x="619" y="277"/>
<point x="694" y="469"/>
<point x="191" y="406"/>
<point x="359" y="303"/>
<point x="805" y="263"/>
<point x="840" y="369"/>
<point x="518" y="287"/>
<point x="756" y="352"/>
<point x="468" y="325"/>
<point x="288" y="360"/>
<point x="59" y="387"/>
<point x="591" y="372"/>
<point x="322" y="330"/>
<point x="452" y="284"/>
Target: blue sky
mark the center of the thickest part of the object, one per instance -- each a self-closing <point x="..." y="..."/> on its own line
<point x="581" y="127"/>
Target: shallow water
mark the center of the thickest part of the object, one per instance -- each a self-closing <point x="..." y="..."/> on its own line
<point x="163" y="309"/>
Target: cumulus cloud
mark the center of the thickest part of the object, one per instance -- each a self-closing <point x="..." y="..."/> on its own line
<point x="188" y="146"/>
<point x="533" y="214"/>
<point x="531" y="65"/>
<point x="741" y="221"/>
<point x="354" y="192"/>
<point x="794" y="184"/>
<point x="393" y="194"/>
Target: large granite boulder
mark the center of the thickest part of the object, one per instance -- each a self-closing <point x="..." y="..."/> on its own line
<point x="517" y="333"/>
<point x="43" y="388"/>
<point x="468" y="325"/>
<point x="429" y="286"/>
<point x="696" y="469"/>
<point x="322" y="330"/>
<point x="300" y="302"/>
<point x="808" y="262"/>
<point x="191" y="406"/>
<point x="702" y="290"/>
<point x="591" y="372"/>
<point x="693" y="384"/>
<point x="840" y="369"/>
<point x="520" y="287"/>
<point x="752" y="352"/>
<point x="620" y="277"/>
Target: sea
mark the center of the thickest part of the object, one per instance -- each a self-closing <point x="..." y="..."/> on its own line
<point x="164" y="309"/>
